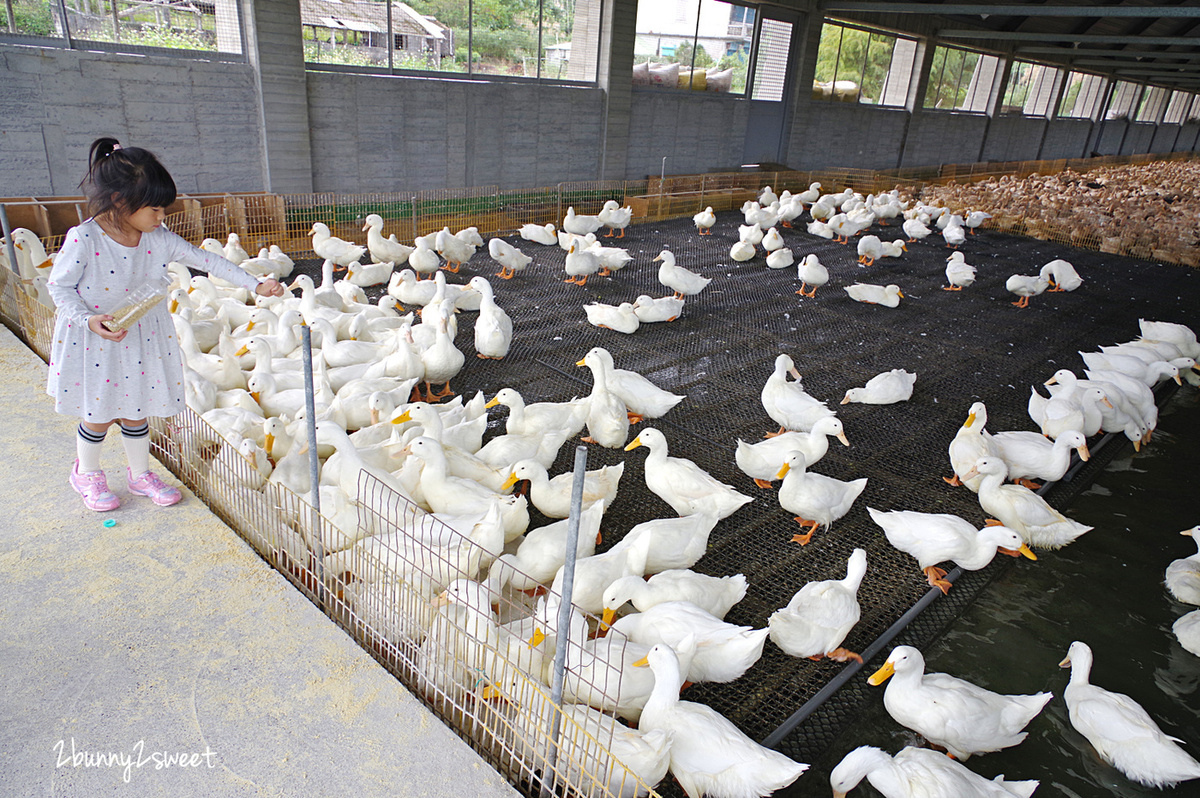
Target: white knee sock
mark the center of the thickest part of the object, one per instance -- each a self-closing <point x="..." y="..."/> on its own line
<point x="137" y="448"/>
<point x="88" y="445"/>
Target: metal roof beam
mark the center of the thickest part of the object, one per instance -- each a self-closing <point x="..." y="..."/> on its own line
<point x="1072" y="52"/>
<point x="1121" y="66"/>
<point x="1015" y="10"/>
<point x="1029" y="36"/>
<point x="1160" y="71"/>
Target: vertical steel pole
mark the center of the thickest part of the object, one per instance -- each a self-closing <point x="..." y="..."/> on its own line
<point x="314" y="466"/>
<point x="564" y="612"/>
<point x="8" y="240"/>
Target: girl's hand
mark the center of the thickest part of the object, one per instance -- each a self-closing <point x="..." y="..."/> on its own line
<point x="94" y="324"/>
<point x="269" y="287"/>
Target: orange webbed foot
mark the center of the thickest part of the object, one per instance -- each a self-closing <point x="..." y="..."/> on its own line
<point x="775" y="434"/>
<point x="844" y="655"/>
<point x="764" y="484"/>
<point x="991" y="522"/>
<point x="1027" y="483"/>
<point x="955" y="481"/>
<point x="635" y="418"/>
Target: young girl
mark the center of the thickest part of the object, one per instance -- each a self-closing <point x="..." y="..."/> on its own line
<point x="103" y="376"/>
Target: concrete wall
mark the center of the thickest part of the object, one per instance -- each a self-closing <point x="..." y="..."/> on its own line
<point x="1164" y="138"/>
<point x="1138" y="139"/>
<point x="697" y="132"/>
<point x="1011" y="137"/>
<point x="1066" y="138"/>
<point x="200" y="117"/>
<point x="829" y="134"/>
<point x="1111" y="133"/>
<point x="375" y="134"/>
<point x="939" y="137"/>
<point x="1189" y="137"/>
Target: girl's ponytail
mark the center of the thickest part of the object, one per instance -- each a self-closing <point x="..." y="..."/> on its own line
<point x="121" y="180"/>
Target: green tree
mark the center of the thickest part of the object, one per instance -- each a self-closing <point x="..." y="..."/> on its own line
<point x="858" y="56"/>
<point x="683" y="56"/>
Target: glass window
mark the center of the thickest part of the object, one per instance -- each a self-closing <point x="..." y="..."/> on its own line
<point x="1030" y="89"/>
<point x="1180" y="100"/>
<point x="770" y="60"/>
<point x="960" y="80"/>
<point x="130" y="25"/>
<point x="551" y="39"/>
<point x="704" y="45"/>
<point x="1082" y="96"/>
<point x="1123" y="100"/>
<point x="1194" y="114"/>
<point x="1152" y="103"/>
<point x="866" y="66"/>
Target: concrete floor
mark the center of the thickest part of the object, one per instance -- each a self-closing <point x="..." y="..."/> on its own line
<point x="166" y="635"/>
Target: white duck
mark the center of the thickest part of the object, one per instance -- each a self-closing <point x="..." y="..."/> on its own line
<point x="455" y="250"/>
<point x="542" y="551"/>
<point x="539" y="234"/>
<point x="384" y="250"/>
<point x="614" y="217"/>
<point x="650" y="310"/>
<point x="612" y="259"/>
<point x="1021" y="509"/>
<point x="511" y="259"/>
<point x="681" y="483"/>
<point x="887" y="295"/>
<point x="919" y="773"/>
<point x="750" y="233"/>
<point x="1025" y="287"/>
<point x="780" y="258"/>
<point x="884" y="389"/>
<point x="820" y="229"/>
<point x="619" y="318"/>
<point x="580" y="264"/>
<point x="330" y="247"/>
<point x="915" y="230"/>
<point x="772" y="240"/>
<point x="818" y="618"/>
<point x="552" y="497"/>
<point x="812" y="275"/>
<point x="724" y="651"/>
<point x="442" y="360"/>
<point x="954" y="234"/>
<point x="817" y="500"/>
<point x="704" y="221"/>
<point x="709" y="755"/>
<point x="787" y="403"/>
<point x="762" y="461"/>
<point x="1030" y="456"/>
<point x="678" y="279"/>
<point x="1121" y="731"/>
<point x="580" y="224"/>
<point x="368" y="274"/>
<point x="960" y="716"/>
<point x="934" y="538"/>
<point x="1061" y="275"/>
<point x="675" y="542"/>
<point x="714" y="594"/>
<point x="971" y="442"/>
<point x="870" y="249"/>
<point x="643" y="399"/>
<point x="742" y="251"/>
<point x="530" y="419"/>
<point x="959" y="273"/>
<point x="493" y="327"/>
<point x="1183" y="575"/>
<point x="423" y="259"/>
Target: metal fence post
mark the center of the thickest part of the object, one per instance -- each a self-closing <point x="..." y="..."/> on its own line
<point x="564" y="611"/>
<point x="8" y="241"/>
<point x="314" y="465"/>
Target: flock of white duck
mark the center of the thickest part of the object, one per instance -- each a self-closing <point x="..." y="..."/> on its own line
<point x="846" y="214"/>
<point x="244" y="376"/>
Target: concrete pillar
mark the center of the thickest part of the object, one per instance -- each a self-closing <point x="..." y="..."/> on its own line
<point x="615" y="76"/>
<point x="276" y="51"/>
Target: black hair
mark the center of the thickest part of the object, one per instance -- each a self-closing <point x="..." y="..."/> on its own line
<point x="123" y="180"/>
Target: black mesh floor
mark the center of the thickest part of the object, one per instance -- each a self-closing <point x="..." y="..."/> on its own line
<point x="964" y="346"/>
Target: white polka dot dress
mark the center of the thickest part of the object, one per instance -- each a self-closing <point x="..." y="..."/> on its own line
<point x="98" y="380"/>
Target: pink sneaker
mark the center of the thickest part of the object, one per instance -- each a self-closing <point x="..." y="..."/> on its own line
<point x="93" y="487"/>
<point x="150" y="485"/>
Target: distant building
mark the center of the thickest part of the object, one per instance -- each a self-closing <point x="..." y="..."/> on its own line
<point x="366" y="25"/>
<point x="724" y="29"/>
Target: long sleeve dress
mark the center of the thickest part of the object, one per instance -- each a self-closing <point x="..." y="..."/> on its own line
<point x="142" y="375"/>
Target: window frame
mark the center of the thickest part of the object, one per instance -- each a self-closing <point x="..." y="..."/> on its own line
<point x="68" y="41"/>
<point x="938" y="46"/>
<point x="1097" y="98"/>
<point x="1180" y="110"/>
<point x="385" y="70"/>
<point x="1128" y="112"/>
<point x="871" y="32"/>
<point x="1054" y="78"/>
<point x="1154" y="98"/>
<point x="750" y="53"/>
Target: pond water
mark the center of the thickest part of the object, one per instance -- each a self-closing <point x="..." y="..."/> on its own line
<point x="1107" y="590"/>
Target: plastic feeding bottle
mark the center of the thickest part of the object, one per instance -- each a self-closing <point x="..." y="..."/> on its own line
<point x="140" y="301"/>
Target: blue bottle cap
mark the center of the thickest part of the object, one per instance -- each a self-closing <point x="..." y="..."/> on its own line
<point x="110" y="522"/>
